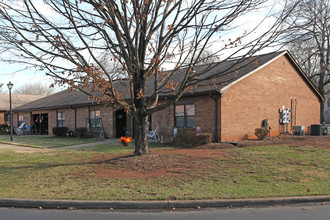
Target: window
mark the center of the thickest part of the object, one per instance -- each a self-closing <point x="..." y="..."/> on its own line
<point x="20" y="118"/>
<point x="95" y="119"/>
<point x="61" y="119"/>
<point x="184" y="116"/>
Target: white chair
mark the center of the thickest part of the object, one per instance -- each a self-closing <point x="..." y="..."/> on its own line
<point x="154" y="135"/>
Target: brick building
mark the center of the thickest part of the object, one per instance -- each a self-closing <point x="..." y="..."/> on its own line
<point x="17" y="100"/>
<point x="249" y="92"/>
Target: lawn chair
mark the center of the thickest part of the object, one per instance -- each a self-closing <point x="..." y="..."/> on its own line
<point x="27" y="130"/>
<point x="20" y="129"/>
<point x="153" y="135"/>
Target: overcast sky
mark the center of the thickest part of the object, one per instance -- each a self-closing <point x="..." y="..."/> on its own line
<point x="20" y="74"/>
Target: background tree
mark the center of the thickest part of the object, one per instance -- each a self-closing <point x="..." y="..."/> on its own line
<point x="307" y="34"/>
<point x="1" y="84"/>
<point x="34" y="89"/>
<point x="66" y="38"/>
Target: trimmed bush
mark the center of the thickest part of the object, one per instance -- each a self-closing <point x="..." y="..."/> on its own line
<point x="204" y="138"/>
<point x="60" y="131"/>
<point x="187" y="136"/>
<point x="80" y="132"/>
<point x="4" y="129"/>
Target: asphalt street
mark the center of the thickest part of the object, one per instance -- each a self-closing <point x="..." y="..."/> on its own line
<point x="295" y="212"/>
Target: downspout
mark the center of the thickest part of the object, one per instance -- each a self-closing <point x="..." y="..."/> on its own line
<point x="75" y="116"/>
<point x="216" y="137"/>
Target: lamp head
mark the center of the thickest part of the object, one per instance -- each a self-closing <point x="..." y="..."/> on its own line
<point x="10" y="85"/>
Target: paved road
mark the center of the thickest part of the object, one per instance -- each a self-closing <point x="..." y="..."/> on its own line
<point x="301" y="212"/>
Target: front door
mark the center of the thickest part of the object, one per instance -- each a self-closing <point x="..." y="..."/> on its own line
<point x="120" y="123"/>
<point x="39" y="124"/>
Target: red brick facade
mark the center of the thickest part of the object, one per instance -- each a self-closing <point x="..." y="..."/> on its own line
<point x="244" y="105"/>
<point x="261" y="95"/>
<point x="2" y="117"/>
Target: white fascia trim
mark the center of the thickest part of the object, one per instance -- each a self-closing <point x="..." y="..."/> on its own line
<point x="224" y="89"/>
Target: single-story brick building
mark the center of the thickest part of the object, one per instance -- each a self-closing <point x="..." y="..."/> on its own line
<point x="251" y="91"/>
<point x="17" y="100"/>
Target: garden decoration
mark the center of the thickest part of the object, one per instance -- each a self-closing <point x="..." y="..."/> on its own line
<point x="126" y="141"/>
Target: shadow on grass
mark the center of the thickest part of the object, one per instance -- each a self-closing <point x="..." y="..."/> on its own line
<point x="37" y="166"/>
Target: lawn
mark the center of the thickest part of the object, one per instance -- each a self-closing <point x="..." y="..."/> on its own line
<point x="107" y="172"/>
<point x="45" y="141"/>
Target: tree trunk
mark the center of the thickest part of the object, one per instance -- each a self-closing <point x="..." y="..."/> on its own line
<point x="140" y="135"/>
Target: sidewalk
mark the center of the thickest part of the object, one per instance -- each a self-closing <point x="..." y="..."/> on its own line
<point x="104" y="141"/>
<point x="192" y="204"/>
<point x="17" y="147"/>
<point x="21" y="148"/>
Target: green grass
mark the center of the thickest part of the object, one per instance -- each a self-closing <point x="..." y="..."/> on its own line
<point x="256" y="172"/>
<point x="44" y="141"/>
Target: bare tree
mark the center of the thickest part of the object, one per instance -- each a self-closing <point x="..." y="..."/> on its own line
<point x="307" y="32"/>
<point x="66" y="38"/>
<point x="34" y="89"/>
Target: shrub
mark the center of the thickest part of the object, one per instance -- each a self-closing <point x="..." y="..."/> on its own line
<point x="4" y="129"/>
<point x="80" y="132"/>
<point x="204" y="138"/>
<point x="60" y="131"/>
<point x="187" y="136"/>
<point x="261" y="133"/>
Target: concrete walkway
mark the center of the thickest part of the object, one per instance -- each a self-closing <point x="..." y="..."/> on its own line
<point x="31" y="149"/>
<point x="104" y="141"/>
<point x="22" y="149"/>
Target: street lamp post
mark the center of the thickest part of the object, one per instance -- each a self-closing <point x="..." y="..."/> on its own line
<point x="10" y="86"/>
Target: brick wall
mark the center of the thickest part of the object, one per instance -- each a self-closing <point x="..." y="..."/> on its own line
<point x="2" y="117"/>
<point x="204" y="117"/>
<point x="261" y="95"/>
<point x="205" y="113"/>
<point x="108" y="121"/>
<point x="106" y="115"/>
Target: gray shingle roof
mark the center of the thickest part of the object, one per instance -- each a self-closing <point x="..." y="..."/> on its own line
<point x="230" y="70"/>
<point x="17" y="100"/>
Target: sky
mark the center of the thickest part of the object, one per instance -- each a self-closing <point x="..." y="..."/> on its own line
<point x="19" y="75"/>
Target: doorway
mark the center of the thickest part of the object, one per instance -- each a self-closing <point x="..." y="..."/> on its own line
<point x="120" y="123"/>
<point x="40" y="124"/>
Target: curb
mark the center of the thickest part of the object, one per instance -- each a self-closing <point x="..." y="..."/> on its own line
<point x="83" y="204"/>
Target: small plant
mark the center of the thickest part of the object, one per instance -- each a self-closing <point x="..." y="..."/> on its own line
<point x="261" y="133"/>
<point x="125" y="141"/>
<point x="70" y="133"/>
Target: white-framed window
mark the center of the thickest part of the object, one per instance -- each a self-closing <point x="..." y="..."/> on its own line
<point x="95" y="121"/>
<point x="61" y="119"/>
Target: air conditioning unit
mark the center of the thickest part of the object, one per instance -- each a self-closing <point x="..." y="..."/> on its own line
<point x="316" y="130"/>
<point x="326" y="131"/>
<point x="298" y="130"/>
